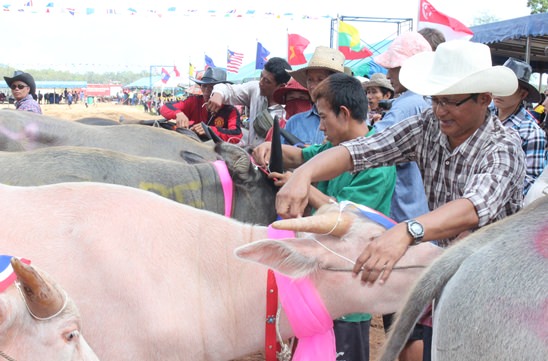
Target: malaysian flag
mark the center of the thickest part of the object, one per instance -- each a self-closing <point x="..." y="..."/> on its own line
<point x="233" y="61"/>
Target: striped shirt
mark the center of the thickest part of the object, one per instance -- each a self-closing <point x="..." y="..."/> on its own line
<point x="28" y="104"/>
<point x="533" y="143"/>
<point x="488" y="168"/>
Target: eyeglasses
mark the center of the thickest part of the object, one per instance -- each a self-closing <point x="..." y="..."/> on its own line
<point x="448" y="103"/>
<point x="18" y="86"/>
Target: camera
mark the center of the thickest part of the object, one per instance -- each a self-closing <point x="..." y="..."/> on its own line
<point x="385" y="104"/>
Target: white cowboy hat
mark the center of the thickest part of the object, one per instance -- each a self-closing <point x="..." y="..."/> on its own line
<point x="457" y="67"/>
<point x="323" y="58"/>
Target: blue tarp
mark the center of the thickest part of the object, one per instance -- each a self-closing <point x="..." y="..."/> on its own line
<point x="524" y="38"/>
<point x="54" y="84"/>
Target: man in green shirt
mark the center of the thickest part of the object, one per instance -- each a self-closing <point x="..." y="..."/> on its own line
<point x="342" y="106"/>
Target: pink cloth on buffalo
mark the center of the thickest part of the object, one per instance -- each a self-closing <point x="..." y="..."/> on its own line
<point x="226" y="183"/>
<point x="306" y="313"/>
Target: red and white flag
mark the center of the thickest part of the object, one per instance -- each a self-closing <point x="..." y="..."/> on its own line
<point x="453" y="29"/>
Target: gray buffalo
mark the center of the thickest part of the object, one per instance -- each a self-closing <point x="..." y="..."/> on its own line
<point x="197" y="185"/>
<point x="490" y="293"/>
<point x="21" y="131"/>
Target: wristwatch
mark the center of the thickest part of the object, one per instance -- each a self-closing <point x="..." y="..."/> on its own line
<point x="416" y="230"/>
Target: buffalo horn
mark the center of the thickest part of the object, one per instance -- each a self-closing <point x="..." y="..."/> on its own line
<point x="276" y="158"/>
<point x="43" y="299"/>
<point x="333" y="223"/>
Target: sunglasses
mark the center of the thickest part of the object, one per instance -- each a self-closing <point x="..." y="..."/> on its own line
<point x="18" y="86"/>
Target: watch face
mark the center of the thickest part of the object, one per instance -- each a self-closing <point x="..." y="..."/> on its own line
<point x="416" y="228"/>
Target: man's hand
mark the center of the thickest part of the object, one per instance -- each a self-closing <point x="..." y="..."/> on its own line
<point x="292" y="198"/>
<point x="280" y="179"/>
<point x="381" y="254"/>
<point x="182" y="120"/>
<point x="198" y="129"/>
<point x="215" y="103"/>
<point x="261" y="154"/>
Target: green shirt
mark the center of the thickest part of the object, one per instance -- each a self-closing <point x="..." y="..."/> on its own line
<point x="371" y="187"/>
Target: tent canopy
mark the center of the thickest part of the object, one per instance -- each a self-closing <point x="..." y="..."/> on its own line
<point x="524" y="38"/>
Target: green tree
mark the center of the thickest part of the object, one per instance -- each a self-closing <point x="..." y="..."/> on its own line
<point x="538" y="6"/>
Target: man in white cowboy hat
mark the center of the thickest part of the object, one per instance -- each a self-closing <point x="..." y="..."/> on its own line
<point x="324" y="62"/>
<point x="191" y="112"/>
<point x="258" y="96"/>
<point x="473" y="167"/>
<point x="23" y="89"/>
<point x="512" y="112"/>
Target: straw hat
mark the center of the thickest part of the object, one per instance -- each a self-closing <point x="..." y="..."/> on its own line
<point x="403" y="47"/>
<point x="292" y="85"/>
<point x="457" y="67"/>
<point x="523" y="73"/>
<point x="378" y="80"/>
<point x="323" y="58"/>
<point x="23" y="77"/>
<point x="212" y="76"/>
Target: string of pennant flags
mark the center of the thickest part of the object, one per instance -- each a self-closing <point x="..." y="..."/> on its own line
<point x="148" y="10"/>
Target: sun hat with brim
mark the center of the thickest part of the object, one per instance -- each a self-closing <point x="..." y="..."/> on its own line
<point x="457" y="67"/>
<point x="292" y="85"/>
<point x="23" y="77"/>
<point x="378" y="80"/>
<point x="523" y="73"/>
<point x="402" y="48"/>
<point x="323" y="58"/>
<point x="212" y="76"/>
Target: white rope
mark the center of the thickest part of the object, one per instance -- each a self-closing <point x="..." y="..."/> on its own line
<point x="285" y="348"/>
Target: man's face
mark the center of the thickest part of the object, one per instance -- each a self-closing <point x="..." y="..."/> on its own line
<point x="460" y="115"/>
<point x="207" y="89"/>
<point x="511" y="101"/>
<point x="315" y="77"/>
<point x="267" y="83"/>
<point x="330" y="124"/>
<point x="394" y="76"/>
<point x="374" y="95"/>
<point x="19" y="90"/>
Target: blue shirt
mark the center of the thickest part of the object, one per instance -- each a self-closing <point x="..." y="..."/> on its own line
<point x="533" y="143"/>
<point x="306" y="127"/>
<point x="409" y="200"/>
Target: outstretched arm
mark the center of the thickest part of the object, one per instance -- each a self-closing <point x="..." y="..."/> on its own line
<point x="293" y="196"/>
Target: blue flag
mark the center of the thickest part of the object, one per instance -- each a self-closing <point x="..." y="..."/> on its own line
<point x="165" y="76"/>
<point x="262" y="53"/>
<point x="209" y="62"/>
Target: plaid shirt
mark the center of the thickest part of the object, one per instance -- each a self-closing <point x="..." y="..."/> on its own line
<point x="533" y="142"/>
<point x="28" y="104"/>
<point x="488" y="168"/>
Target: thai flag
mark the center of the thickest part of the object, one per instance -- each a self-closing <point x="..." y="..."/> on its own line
<point x="7" y="276"/>
<point x="165" y="76"/>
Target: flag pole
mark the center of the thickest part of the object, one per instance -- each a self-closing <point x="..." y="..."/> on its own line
<point x="418" y="14"/>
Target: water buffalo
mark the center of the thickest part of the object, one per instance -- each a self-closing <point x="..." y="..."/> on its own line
<point x="20" y="131"/>
<point x="490" y="291"/>
<point x="38" y="320"/>
<point x="197" y="185"/>
<point x="158" y="280"/>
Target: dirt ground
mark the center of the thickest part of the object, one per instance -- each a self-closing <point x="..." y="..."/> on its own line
<point x="134" y="113"/>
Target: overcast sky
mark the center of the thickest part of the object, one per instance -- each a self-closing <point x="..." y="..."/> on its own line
<point x="103" y="42"/>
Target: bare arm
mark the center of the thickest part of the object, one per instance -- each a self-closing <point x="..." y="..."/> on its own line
<point x="294" y="195"/>
<point x="292" y="156"/>
<point x="380" y="255"/>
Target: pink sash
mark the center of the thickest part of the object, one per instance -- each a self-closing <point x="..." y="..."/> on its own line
<point x="226" y="184"/>
<point x="306" y="313"/>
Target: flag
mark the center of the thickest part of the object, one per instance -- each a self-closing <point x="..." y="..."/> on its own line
<point x="165" y="76"/>
<point x="350" y="43"/>
<point x="209" y="62"/>
<point x="295" y="49"/>
<point x="262" y="53"/>
<point x="451" y="28"/>
<point x="234" y="61"/>
<point x="176" y="71"/>
<point x="71" y="11"/>
<point x="7" y="276"/>
<point x="190" y="70"/>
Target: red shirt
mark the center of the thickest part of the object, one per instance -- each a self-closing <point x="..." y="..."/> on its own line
<point x="226" y="123"/>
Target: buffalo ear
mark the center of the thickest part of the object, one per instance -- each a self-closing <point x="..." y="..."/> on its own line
<point x="292" y="257"/>
<point x="192" y="158"/>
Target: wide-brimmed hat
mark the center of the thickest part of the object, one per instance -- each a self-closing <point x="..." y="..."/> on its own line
<point x="402" y="48"/>
<point x="457" y="67"/>
<point x="323" y="58"/>
<point x="212" y="76"/>
<point x="523" y="73"/>
<point x="292" y="85"/>
<point x="23" y="77"/>
<point x="378" y="80"/>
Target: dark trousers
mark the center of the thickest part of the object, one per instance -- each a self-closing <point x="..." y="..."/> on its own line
<point x="352" y="340"/>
